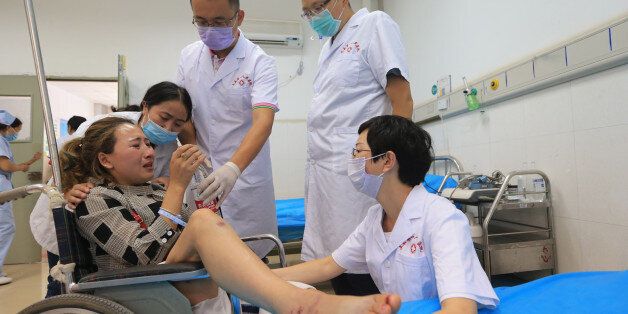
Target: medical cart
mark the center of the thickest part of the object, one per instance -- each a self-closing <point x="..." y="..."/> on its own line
<point x="516" y="221"/>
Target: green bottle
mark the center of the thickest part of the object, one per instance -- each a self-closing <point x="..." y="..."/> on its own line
<point x="471" y="96"/>
<point x="472" y="100"/>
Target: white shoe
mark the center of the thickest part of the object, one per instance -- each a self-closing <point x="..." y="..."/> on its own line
<point x="5" y="280"/>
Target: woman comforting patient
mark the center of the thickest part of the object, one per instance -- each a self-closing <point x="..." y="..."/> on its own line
<point x="130" y="222"/>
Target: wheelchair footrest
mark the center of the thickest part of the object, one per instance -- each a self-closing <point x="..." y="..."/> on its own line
<point x="140" y="275"/>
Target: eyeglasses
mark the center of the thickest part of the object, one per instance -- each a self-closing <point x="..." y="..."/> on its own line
<point x="316" y="9"/>
<point x="217" y="22"/>
<point x="355" y="151"/>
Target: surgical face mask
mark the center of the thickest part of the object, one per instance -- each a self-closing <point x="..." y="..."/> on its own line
<point x="11" y="137"/>
<point x="216" y="38"/>
<point x="366" y="183"/>
<point x="158" y="135"/>
<point x="325" y="24"/>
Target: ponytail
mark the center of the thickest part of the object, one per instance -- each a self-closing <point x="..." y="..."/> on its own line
<point x="71" y="166"/>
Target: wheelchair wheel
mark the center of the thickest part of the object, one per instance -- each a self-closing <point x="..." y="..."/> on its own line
<point x="76" y="304"/>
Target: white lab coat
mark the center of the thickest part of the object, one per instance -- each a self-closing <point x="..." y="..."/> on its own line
<point x="223" y="102"/>
<point x="41" y="221"/>
<point x="7" y="222"/>
<point x="349" y="89"/>
<point x="430" y="252"/>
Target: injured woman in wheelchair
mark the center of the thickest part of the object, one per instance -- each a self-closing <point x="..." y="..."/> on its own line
<point x="125" y="220"/>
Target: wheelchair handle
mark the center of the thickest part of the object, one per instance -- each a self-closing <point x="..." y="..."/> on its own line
<point x="21" y="192"/>
<point x="278" y="244"/>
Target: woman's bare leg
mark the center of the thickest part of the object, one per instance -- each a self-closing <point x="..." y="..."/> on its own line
<point x="238" y="270"/>
<point x="195" y="291"/>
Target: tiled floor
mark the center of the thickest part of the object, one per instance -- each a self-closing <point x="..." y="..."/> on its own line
<point x="27" y="287"/>
<point x="29" y="284"/>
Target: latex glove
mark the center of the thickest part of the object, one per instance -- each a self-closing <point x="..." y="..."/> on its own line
<point x="219" y="183"/>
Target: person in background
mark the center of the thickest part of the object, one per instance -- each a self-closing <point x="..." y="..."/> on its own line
<point x="74" y="123"/>
<point x="10" y="126"/>
<point x="413" y="243"/>
<point x="362" y="73"/>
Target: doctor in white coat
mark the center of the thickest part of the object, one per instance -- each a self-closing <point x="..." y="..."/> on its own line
<point x="362" y="74"/>
<point x="233" y="85"/>
<point x="414" y="244"/>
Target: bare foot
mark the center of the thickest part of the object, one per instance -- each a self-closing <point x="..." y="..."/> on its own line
<point x="318" y="302"/>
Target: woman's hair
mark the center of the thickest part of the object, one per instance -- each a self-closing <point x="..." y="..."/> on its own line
<point x="166" y="91"/>
<point x="17" y="123"/>
<point x="411" y="144"/>
<point x="129" y="108"/>
<point x="79" y="157"/>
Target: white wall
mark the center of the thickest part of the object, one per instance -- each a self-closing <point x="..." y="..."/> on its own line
<point x="64" y="105"/>
<point x="578" y="134"/>
<point x="474" y="38"/>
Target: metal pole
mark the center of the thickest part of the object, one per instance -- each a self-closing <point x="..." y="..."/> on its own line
<point x="43" y="90"/>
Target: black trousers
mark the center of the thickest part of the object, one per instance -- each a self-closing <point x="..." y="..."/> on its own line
<point x="354" y="284"/>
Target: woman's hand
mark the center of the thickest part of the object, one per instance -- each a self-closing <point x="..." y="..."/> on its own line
<point x="77" y="194"/>
<point x="183" y="163"/>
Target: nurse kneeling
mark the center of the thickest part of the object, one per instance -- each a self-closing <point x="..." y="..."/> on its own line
<point x="414" y="244"/>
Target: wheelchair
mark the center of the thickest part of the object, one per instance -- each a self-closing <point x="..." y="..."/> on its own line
<point x="139" y="289"/>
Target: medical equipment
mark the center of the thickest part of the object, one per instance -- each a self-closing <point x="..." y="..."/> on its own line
<point x="474" y="187"/>
<point x="517" y="226"/>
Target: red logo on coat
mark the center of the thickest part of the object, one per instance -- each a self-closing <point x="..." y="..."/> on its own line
<point x="353" y="47"/>
<point x="242" y="81"/>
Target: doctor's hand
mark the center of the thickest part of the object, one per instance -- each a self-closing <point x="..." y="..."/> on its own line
<point x="219" y="183"/>
<point x="77" y="194"/>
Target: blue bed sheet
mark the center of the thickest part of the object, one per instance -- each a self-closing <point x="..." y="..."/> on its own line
<point x="291" y="219"/>
<point x="585" y="292"/>
<point x="291" y="213"/>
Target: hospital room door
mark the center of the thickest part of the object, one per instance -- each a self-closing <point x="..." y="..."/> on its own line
<point x="24" y="248"/>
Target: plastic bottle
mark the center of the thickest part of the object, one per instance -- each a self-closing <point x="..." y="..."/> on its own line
<point x="538" y="186"/>
<point x="521" y="184"/>
<point x="201" y="173"/>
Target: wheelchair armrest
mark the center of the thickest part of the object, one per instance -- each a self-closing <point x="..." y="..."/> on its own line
<point x="141" y="274"/>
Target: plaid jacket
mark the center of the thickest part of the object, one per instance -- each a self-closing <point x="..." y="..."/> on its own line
<point x="117" y="240"/>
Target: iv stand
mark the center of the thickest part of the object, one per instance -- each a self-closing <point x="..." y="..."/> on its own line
<point x="43" y="90"/>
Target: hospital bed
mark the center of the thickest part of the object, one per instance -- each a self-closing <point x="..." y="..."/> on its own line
<point x="573" y="293"/>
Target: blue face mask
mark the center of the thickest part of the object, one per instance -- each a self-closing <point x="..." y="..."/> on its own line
<point x="158" y="135"/>
<point x="325" y="24"/>
<point x="11" y="137"/>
